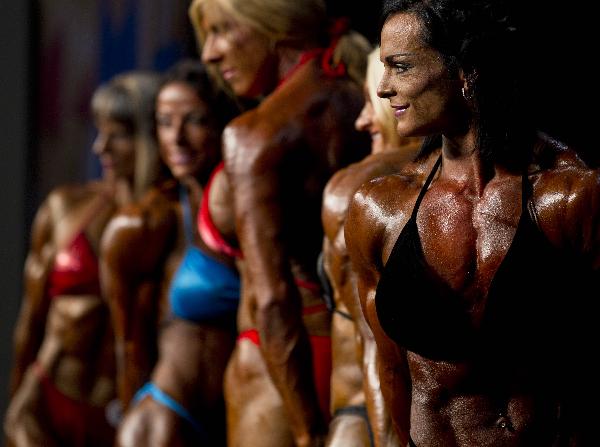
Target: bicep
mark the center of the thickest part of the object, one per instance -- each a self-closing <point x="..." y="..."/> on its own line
<point x="361" y="244"/>
<point x="258" y="202"/>
<point x="133" y="251"/>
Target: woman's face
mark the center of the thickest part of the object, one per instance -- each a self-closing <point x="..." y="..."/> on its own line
<point x="115" y="147"/>
<point x="368" y="122"/>
<point x="425" y="98"/>
<point x="243" y="57"/>
<point x="188" y="139"/>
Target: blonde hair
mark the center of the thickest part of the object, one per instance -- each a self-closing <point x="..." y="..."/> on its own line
<point x="130" y="98"/>
<point x="295" y="23"/>
<point x="381" y="108"/>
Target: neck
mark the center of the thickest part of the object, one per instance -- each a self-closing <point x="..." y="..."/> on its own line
<point x="462" y="162"/>
<point x="288" y="59"/>
<point x="120" y="189"/>
<point x="123" y="192"/>
<point x="193" y="186"/>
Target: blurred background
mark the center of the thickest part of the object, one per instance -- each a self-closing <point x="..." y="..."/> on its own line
<point x="54" y="53"/>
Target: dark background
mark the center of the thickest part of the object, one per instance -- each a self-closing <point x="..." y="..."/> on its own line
<point x="562" y="61"/>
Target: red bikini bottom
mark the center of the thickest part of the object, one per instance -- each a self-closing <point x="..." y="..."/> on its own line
<point x="321" y="362"/>
<point x="75" y="423"/>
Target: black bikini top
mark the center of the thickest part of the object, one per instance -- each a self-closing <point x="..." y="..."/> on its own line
<point x="527" y="311"/>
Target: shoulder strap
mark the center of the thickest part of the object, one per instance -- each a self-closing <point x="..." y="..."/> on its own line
<point x="426" y="186"/>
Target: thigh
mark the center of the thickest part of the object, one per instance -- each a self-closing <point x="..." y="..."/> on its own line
<point x="150" y="424"/>
<point x="349" y="431"/>
<point x="256" y="416"/>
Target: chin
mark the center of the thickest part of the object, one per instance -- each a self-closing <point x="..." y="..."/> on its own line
<point x="181" y="172"/>
<point x="405" y="131"/>
<point x="240" y="89"/>
<point x="249" y="90"/>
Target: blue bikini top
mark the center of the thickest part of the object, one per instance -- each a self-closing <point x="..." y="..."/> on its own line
<point x="202" y="288"/>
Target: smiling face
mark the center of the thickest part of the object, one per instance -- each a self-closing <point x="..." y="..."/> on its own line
<point x="188" y="139"/>
<point x="244" y="58"/>
<point x="425" y="97"/>
<point x="115" y="147"/>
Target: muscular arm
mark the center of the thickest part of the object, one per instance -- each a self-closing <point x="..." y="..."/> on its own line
<point x="133" y="251"/>
<point x="336" y="200"/>
<point x="364" y="237"/>
<point x="260" y="227"/>
<point x="30" y="326"/>
<point x="568" y="207"/>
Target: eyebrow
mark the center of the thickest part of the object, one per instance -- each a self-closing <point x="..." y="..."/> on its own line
<point x="391" y="57"/>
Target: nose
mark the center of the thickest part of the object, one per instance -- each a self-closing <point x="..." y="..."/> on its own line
<point x="180" y="134"/>
<point x="100" y="144"/>
<point x="365" y="118"/>
<point x="385" y="89"/>
<point x="212" y="49"/>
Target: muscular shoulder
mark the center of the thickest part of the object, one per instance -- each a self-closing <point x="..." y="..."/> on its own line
<point x="342" y="186"/>
<point x="137" y="235"/>
<point x="307" y="112"/>
<point x="377" y="209"/>
<point x="247" y="136"/>
<point x="63" y="199"/>
<point x="566" y="196"/>
<point x="381" y="207"/>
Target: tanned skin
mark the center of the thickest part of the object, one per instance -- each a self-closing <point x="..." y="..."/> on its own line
<point x="278" y="158"/>
<point x="153" y="232"/>
<point x="184" y="359"/>
<point x="68" y="337"/>
<point x="354" y="376"/>
<point x="466" y="223"/>
<point x="67" y="340"/>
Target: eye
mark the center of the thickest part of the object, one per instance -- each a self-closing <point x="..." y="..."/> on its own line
<point x="220" y="28"/>
<point x="163" y="121"/>
<point x="198" y="119"/>
<point x="401" y="67"/>
<point x="121" y="135"/>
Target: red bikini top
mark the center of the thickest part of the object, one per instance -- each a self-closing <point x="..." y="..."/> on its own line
<point x="214" y="240"/>
<point x="337" y="70"/>
<point x="206" y="227"/>
<point x="75" y="270"/>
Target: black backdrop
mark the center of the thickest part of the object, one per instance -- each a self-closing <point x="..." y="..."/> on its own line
<point x="561" y="62"/>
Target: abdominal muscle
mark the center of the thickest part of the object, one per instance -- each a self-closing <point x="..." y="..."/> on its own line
<point x="76" y="337"/>
<point x="452" y="405"/>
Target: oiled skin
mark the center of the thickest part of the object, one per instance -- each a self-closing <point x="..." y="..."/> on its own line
<point x="483" y="220"/>
<point x="188" y="360"/>
<point x="354" y="376"/>
<point x="69" y="337"/>
<point x="136" y="280"/>
<point x="278" y="158"/>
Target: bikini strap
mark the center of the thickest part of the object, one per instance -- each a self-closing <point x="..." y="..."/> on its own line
<point x="93" y="212"/>
<point x="159" y="396"/>
<point x="357" y="410"/>
<point x="426" y="186"/>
